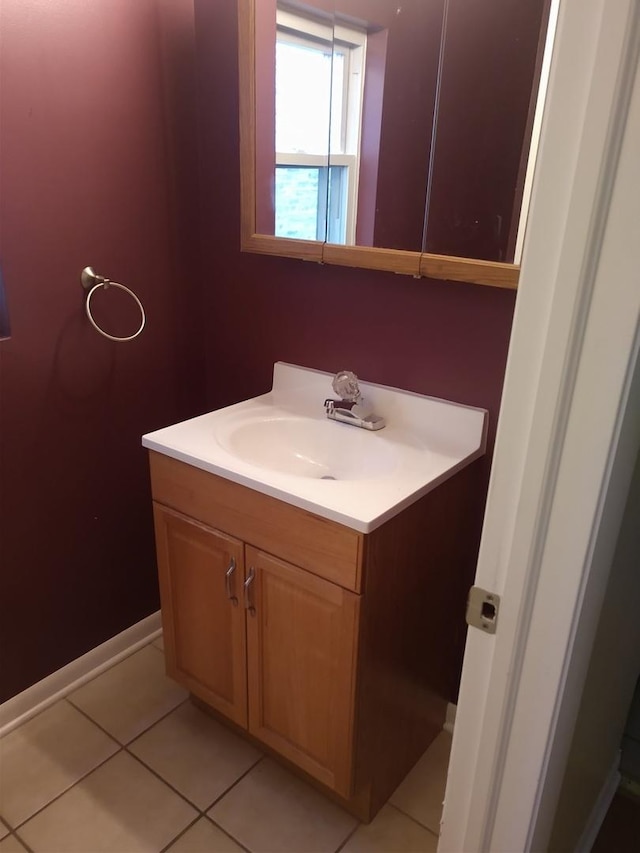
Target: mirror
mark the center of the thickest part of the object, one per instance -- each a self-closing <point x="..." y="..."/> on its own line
<point x="389" y="135"/>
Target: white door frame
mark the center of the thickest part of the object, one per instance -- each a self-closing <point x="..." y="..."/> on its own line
<point x="568" y="434"/>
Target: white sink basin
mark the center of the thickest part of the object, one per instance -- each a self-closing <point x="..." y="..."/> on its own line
<point x="307" y="447"/>
<point x="282" y="444"/>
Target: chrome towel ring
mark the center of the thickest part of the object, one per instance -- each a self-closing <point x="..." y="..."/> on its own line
<point x="91" y="282"/>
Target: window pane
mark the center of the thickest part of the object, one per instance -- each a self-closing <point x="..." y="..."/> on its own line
<point x="300" y="202"/>
<point x="303" y="95"/>
<point x="338" y="102"/>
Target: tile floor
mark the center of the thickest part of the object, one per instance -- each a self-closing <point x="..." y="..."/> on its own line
<point x="127" y="764"/>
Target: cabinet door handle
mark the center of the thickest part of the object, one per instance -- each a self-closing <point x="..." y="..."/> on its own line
<point x="227" y="581"/>
<point x="247" y="592"/>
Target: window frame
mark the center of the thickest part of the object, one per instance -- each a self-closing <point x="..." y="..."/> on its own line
<point x="298" y="29"/>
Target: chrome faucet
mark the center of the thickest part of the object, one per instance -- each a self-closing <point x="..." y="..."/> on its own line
<point x="351" y="408"/>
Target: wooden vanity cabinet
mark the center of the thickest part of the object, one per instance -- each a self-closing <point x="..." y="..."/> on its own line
<point x="331" y="647"/>
<point x="276" y="658"/>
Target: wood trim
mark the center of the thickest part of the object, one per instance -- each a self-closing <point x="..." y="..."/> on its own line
<point x="369" y="257"/>
<point x="263" y="244"/>
<point x="326" y="548"/>
<point x="491" y="273"/>
<point x="390" y="260"/>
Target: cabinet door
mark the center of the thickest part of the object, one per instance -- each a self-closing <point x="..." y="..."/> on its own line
<point x="204" y="627"/>
<point x="302" y="644"/>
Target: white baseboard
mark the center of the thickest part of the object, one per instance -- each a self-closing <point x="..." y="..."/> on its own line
<point x="31" y="701"/>
<point x="600" y="808"/>
<point x="450" y="719"/>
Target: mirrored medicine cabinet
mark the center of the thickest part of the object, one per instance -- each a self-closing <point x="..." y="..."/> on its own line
<point x="390" y="134"/>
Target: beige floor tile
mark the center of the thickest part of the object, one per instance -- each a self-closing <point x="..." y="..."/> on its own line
<point x="12" y="845"/>
<point x="391" y="832"/>
<point x="422" y="793"/>
<point x="272" y="811"/>
<point x="195" y="754"/>
<point x="45" y="756"/>
<point x="119" y="807"/>
<point x="131" y="696"/>
<point x="204" y="837"/>
<point x="3" y="829"/>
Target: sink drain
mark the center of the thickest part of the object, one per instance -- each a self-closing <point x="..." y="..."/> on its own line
<point x="328" y="477"/>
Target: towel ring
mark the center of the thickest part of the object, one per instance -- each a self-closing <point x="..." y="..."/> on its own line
<point x="91" y="282"/>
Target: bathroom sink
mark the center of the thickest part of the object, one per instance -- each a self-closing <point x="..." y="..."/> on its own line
<point x="308" y="447"/>
<point x="282" y="444"/>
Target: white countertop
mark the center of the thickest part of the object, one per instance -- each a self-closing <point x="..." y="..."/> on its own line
<point x="425" y="441"/>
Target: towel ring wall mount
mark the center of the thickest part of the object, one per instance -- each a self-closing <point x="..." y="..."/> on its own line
<point x="91" y="281"/>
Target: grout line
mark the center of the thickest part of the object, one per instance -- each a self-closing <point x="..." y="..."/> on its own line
<point x="202" y="811"/>
<point x="217" y="800"/>
<point x="66" y="790"/>
<point x="349" y="837"/>
<point x="139" y="735"/>
<point x="231" y="787"/>
<point x="159" y="720"/>
<point x="415" y="820"/>
<point x="91" y="720"/>
<point x="164" y="781"/>
<point x="181" y="833"/>
<point x="24" y="843"/>
<point x="227" y="833"/>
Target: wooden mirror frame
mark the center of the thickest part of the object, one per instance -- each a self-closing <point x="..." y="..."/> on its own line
<point x="417" y="264"/>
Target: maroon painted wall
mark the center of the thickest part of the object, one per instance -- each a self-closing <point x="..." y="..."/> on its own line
<point x="90" y="175"/>
<point x="444" y="339"/>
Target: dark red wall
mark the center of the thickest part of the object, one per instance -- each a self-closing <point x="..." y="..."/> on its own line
<point x="90" y="175"/>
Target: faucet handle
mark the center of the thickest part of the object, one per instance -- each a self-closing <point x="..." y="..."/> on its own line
<point x="345" y="384"/>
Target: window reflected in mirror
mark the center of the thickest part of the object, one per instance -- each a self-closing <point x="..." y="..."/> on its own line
<point x="319" y="79"/>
